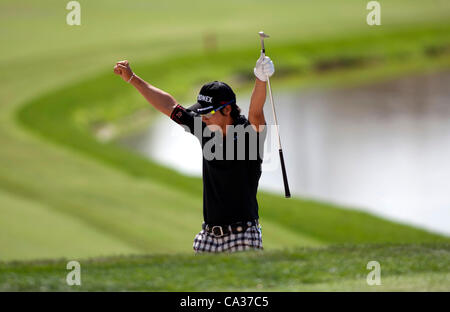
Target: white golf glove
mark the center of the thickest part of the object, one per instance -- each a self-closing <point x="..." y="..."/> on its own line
<point x="264" y="67"/>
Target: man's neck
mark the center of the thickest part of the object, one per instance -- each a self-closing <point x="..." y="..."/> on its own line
<point x="229" y="122"/>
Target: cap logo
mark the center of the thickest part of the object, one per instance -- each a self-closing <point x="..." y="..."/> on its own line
<point x="204" y="98"/>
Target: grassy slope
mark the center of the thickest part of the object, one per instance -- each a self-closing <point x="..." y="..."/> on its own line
<point x="107" y="208"/>
<point x="414" y="267"/>
<point x="55" y="116"/>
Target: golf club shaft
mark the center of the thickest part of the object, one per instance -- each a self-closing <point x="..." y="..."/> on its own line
<point x="287" y="192"/>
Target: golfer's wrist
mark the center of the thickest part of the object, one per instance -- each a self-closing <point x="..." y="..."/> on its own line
<point x="132" y="77"/>
<point x="260" y="82"/>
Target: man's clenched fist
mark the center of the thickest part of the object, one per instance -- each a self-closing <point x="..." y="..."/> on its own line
<point x="123" y="69"/>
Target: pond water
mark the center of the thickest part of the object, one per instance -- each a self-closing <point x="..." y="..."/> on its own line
<point x="383" y="148"/>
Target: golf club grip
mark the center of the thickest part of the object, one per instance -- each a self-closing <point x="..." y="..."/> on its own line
<point x="287" y="192"/>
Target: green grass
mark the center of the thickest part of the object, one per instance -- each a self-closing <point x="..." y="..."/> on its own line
<point x="176" y="199"/>
<point x="414" y="267"/>
<point x="64" y="194"/>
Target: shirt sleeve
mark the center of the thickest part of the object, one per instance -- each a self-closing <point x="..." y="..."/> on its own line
<point x="261" y="138"/>
<point x="186" y="118"/>
<point x="261" y="134"/>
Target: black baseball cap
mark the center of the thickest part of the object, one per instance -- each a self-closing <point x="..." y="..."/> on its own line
<point x="212" y="96"/>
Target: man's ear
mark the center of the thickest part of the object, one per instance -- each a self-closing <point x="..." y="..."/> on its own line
<point x="226" y="110"/>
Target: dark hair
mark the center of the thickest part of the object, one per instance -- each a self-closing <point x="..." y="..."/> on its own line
<point x="235" y="111"/>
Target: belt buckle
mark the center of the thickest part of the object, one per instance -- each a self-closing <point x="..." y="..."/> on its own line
<point x="213" y="232"/>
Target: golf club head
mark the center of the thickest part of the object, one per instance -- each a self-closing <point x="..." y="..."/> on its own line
<point x="263" y="35"/>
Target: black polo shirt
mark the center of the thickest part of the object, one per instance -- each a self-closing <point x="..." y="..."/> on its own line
<point x="230" y="176"/>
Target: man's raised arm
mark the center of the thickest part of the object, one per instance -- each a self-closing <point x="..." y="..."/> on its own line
<point x="256" y="110"/>
<point x="264" y="68"/>
<point x="161" y="100"/>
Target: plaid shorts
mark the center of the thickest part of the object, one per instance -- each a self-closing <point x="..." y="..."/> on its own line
<point x="251" y="239"/>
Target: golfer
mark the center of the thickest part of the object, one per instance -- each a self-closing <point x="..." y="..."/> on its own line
<point x="230" y="179"/>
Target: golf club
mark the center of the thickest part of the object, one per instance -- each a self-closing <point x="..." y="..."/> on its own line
<point x="287" y="192"/>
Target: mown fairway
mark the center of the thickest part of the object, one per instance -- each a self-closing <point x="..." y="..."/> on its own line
<point x="64" y="194"/>
<point x="422" y="267"/>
